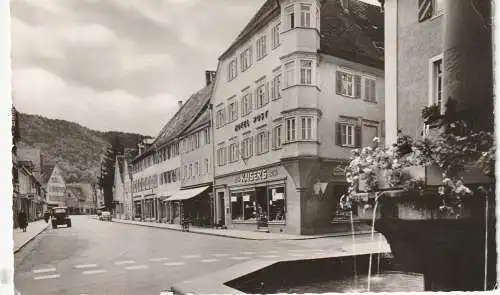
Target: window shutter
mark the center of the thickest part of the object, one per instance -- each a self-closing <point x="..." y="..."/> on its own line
<point x="266" y="95"/>
<point x="338" y="134"/>
<point x="357" y="136"/>
<point x="338" y="87"/>
<point x="250" y="102"/>
<point x="424" y="10"/>
<point x="357" y="86"/>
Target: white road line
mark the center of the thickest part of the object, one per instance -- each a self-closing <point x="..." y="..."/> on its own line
<point x="269" y="256"/>
<point x="273" y="251"/>
<point x="191" y="256"/>
<point x="174" y="263"/>
<point x="158" y="259"/>
<point x="94" y="271"/>
<point x="220" y="254"/>
<point x="209" y="260"/>
<point x="85" y="265"/>
<point x="134" y="267"/>
<point x="47" y="277"/>
<point x="297" y="255"/>
<point x="247" y="253"/>
<point x="42" y="270"/>
<point x="240" y="257"/>
<point x="124" y="262"/>
<point x="296" y="250"/>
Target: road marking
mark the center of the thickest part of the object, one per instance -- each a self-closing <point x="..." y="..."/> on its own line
<point x="220" y="254"/>
<point x="134" y="267"/>
<point x="47" y="277"/>
<point x="240" y="257"/>
<point x="273" y="251"/>
<point x="42" y="270"/>
<point x="85" y="265"/>
<point x="209" y="260"/>
<point x="94" y="271"/>
<point x="124" y="262"/>
<point x="191" y="256"/>
<point x="158" y="259"/>
<point x="269" y="256"/>
<point x="247" y="253"/>
<point x="174" y="263"/>
<point x="296" y="250"/>
<point x="297" y="255"/>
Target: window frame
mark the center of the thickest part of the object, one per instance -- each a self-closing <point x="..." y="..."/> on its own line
<point x="246" y="103"/>
<point x="305" y="15"/>
<point x="307" y="125"/>
<point x="261" y="47"/>
<point x="288" y="134"/>
<point x="234" y="151"/>
<point x="276" y="86"/>
<point x="289" y="74"/>
<point x="246" y="59"/>
<point x="290" y="14"/>
<point x="433" y="80"/>
<point x="247" y="147"/>
<point x="275" y="36"/>
<point x="232" y="110"/>
<point x="232" y="69"/>
<point x="262" y="142"/>
<point x="261" y="101"/>
<point x="306" y="72"/>
<point x="344" y="135"/>
<point x="277" y="140"/>
<point x="220" y="117"/>
<point x="365" y="81"/>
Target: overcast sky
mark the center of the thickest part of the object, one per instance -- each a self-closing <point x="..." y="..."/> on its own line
<point x="118" y="64"/>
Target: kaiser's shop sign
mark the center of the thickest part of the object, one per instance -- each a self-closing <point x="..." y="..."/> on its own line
<point x="257" y="175"/>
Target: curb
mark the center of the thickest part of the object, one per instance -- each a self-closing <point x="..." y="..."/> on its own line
<point x="31" y="239"/>
<point x="333" y="235"/>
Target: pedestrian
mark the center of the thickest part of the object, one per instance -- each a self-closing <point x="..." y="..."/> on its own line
<point x="22" y="220"/>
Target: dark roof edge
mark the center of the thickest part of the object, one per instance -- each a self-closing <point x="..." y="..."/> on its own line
<point x="242" y="38"/>
<point x="361" y="59"/>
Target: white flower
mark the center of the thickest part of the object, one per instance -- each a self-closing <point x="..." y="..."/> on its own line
<point x="376" y="139"/>
<point x="441" y="190"/>
<point x="369" y="159"/>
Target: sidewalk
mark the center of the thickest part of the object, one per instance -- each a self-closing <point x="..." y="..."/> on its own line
<point x="233" y="233"/>
<point x="22" y="238"/>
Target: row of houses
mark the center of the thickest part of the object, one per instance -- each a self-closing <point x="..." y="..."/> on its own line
<point x="304" y="83"/>
<point x="39" y="186"/>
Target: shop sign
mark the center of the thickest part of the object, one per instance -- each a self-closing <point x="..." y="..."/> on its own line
<point x="257" y="175"/>
<point x="242" y="125"/>
<point x="260" y="117"/>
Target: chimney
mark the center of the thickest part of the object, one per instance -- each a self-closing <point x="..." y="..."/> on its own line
<point x="179" y="102"/>
<point x="209" y="77"/>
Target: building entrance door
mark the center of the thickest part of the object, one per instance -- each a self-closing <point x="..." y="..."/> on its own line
<point x="222" y="210"/>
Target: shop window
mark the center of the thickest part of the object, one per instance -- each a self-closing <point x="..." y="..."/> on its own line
<point x="237" y="206"/>
<point x="276" y="204"/>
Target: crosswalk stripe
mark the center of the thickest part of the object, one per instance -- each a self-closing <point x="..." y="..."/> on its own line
<point x="94" y="271"/>
<point x="134" y="267"/>
<point x="240" y="257"/>
<point x="209" y="260"/>
<point x="269" y="256"/>
<point x="273" y="251"/>
<point x="174" y="263"/>
<point x="191" y="256"/>
<point x="247" y="253"/>
<point x="42" y="270"/>
<point x="124" y="262"/>
<point x="47" y="277"/>
<point x="220" y="254"/>
<point x="158" y="259"/>
<point x="85" y="265"/>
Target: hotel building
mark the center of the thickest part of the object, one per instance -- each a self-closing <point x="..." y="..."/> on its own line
<point x="300" y="87"/>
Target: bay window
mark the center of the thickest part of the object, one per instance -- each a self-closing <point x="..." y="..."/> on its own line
<point x="289" y="74"/>
<point x="290" y="129"/>
<point x="305" y="15"/>
<point x="289" y="17"/>
<point x="305" y="72"/>
<point x="306" y="127"/>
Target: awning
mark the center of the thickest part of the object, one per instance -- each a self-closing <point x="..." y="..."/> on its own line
<point x="187" y="194"/>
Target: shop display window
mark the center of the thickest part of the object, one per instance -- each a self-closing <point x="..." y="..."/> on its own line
<point x="276" y="204"/>
<point x="263" y="202"/>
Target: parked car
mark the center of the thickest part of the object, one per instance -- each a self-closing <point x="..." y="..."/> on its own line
<point x="105" y="215"/>
<point x="60" y="216"/>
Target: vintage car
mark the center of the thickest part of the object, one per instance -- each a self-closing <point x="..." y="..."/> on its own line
<point x="105" y="215"/>
<point x="60" y="216"/>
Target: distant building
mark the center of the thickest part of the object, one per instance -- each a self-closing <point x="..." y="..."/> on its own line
<point x="55" y="185"/>
<point x="82" y="198"/>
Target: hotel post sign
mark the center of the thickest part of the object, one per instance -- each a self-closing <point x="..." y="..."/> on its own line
<point x="256" y="175"/>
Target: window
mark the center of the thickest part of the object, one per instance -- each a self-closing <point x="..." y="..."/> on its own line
<point x="196" y="169"/>
<point x="266" y="201"/>
<point x="275" y="36"/>
<point x="261" y="96"/>
<point x="234" y="152"/>
<point x="261" y="47"/>
<point x="277" y="137"/>
<point x="276" y="87"/>
<point x="289" y="73"/>
<point x="246" y="59"/>
<point x="276" y="209"/>
<point x="206" y="134"/>
<point x="307" y="128"/>
<point x="289" y="17"/>
<point x="370" y="89"/>
<point x="262" y="142"/>
<point x="206" y="166"/>
<point x="247" y="147"/>
<point x="232" y="111"/>
<point x="347" y="134"/>
<point x="437" y="83"/>
<point x="305" y="72"/>
<point x="290" y="129"/>
<point x="190" y="170"/>
<point x="430" y="8"/>
<point x="246" y="104"/>
<point x="232" y="70"/>
<point x="221" y="156"/>
<point x="220" y="118"/>
<point x="305" y="15"/>
<point x="185" y="172"/>
<point x="348" y="84"/>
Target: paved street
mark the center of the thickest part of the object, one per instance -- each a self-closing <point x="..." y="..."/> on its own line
<point x="96" y="257"/>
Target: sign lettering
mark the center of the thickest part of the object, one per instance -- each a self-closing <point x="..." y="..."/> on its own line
<point x="257" y="175"/>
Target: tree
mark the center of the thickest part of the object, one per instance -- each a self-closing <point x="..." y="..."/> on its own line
<point x="106" y="179"/>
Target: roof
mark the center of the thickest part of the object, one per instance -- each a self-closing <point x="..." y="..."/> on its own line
<point x="203" y="119"/>
<point x="47" y="172"/>
<point x="356" y="34"/>
<point x="185" y="116"/>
